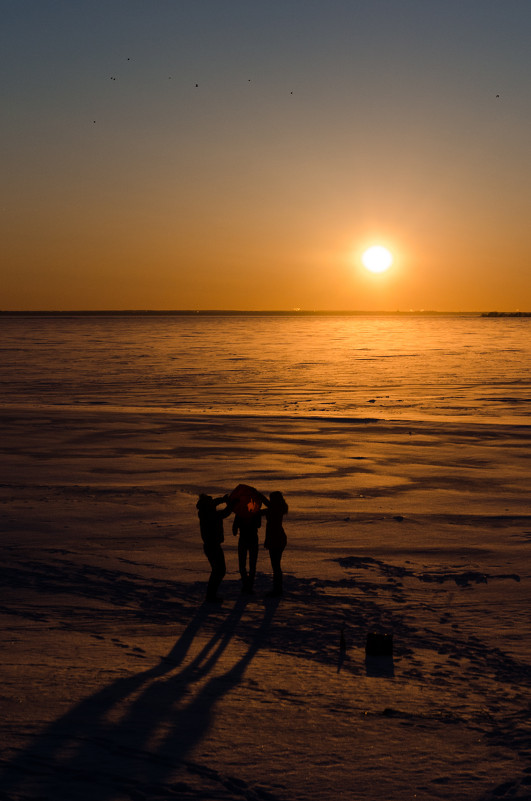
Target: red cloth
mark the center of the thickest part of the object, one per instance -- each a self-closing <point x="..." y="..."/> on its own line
<point x="245" y="500"/>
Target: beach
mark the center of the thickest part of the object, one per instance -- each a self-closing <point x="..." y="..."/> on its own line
<point x="264" y="254"/>
<point x="119" y="682"/>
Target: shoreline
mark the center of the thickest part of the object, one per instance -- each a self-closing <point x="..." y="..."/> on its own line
<point x="118" y="682"/>
<point x="404" y="419"/>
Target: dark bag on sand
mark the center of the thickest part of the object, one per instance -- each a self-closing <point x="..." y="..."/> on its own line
<point x="379" y="644"/>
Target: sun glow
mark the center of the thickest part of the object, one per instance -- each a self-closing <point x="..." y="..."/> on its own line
<point x="377" y="259"/>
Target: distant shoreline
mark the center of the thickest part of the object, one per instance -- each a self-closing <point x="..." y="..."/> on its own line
<point x="238" y="313"/>
<point x="506" y="314"/>
<point x="245" y="313"/>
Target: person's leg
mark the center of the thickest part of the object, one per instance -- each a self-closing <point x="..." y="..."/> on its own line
<point x="219" y="571"/>
<point x="253" y="557"/>
<point x="275" y="554"/>
<point x="216" y="557"/>
<point x="242" y="560"/>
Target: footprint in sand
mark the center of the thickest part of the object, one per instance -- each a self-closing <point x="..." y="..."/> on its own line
<point x="136" y="650"/>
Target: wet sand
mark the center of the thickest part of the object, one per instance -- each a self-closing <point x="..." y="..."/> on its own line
<point x="117" y="682"/>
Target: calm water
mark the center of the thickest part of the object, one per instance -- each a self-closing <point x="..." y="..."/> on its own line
<point x="388" y="367"/>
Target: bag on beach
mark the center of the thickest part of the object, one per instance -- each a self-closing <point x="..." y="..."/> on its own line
<point x="379" y="644"/>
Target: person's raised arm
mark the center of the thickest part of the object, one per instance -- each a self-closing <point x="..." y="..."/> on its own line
<point x="263" y="498"/>
<point x="228" y="509"/>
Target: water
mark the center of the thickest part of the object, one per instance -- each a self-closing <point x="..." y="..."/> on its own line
<point x="407" y="367"/>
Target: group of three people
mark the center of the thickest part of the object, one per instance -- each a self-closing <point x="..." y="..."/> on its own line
<point x="247" y="521"/>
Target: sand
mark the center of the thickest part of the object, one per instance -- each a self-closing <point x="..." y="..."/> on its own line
<point x="118" y="682"/>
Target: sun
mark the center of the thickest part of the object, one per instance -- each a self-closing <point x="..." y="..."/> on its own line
<point x="377" y="259"/>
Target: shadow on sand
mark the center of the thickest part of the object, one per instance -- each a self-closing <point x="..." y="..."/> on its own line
<point x="131" y="738"/>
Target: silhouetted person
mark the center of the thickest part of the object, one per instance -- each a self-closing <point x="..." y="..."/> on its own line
<point x="247" y="545"/>
<point x="275" y="537"/>
<point x="211" y="527"/>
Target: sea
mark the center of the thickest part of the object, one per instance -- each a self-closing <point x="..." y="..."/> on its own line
<point x="393" y="367"/>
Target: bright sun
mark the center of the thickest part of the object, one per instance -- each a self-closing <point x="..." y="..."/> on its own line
<point x="377" y="259"/>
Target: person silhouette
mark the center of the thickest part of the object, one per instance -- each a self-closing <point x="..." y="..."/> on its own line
<point x="275" y="537"/>
<point x="211" y="527"/>
<point x="248" y="527"/>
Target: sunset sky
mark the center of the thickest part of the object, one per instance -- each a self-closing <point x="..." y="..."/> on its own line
<point x="240" y="154"/>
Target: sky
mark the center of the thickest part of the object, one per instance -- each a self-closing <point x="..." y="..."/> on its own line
<point x="242" y="154"/>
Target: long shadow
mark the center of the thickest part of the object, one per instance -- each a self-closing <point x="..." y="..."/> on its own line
<point x="108" y="752"/>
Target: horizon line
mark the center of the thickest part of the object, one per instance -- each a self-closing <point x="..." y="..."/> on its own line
<point x="250" y="312"/>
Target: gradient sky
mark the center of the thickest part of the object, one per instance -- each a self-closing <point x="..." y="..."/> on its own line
<point x="316" y="129"/>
